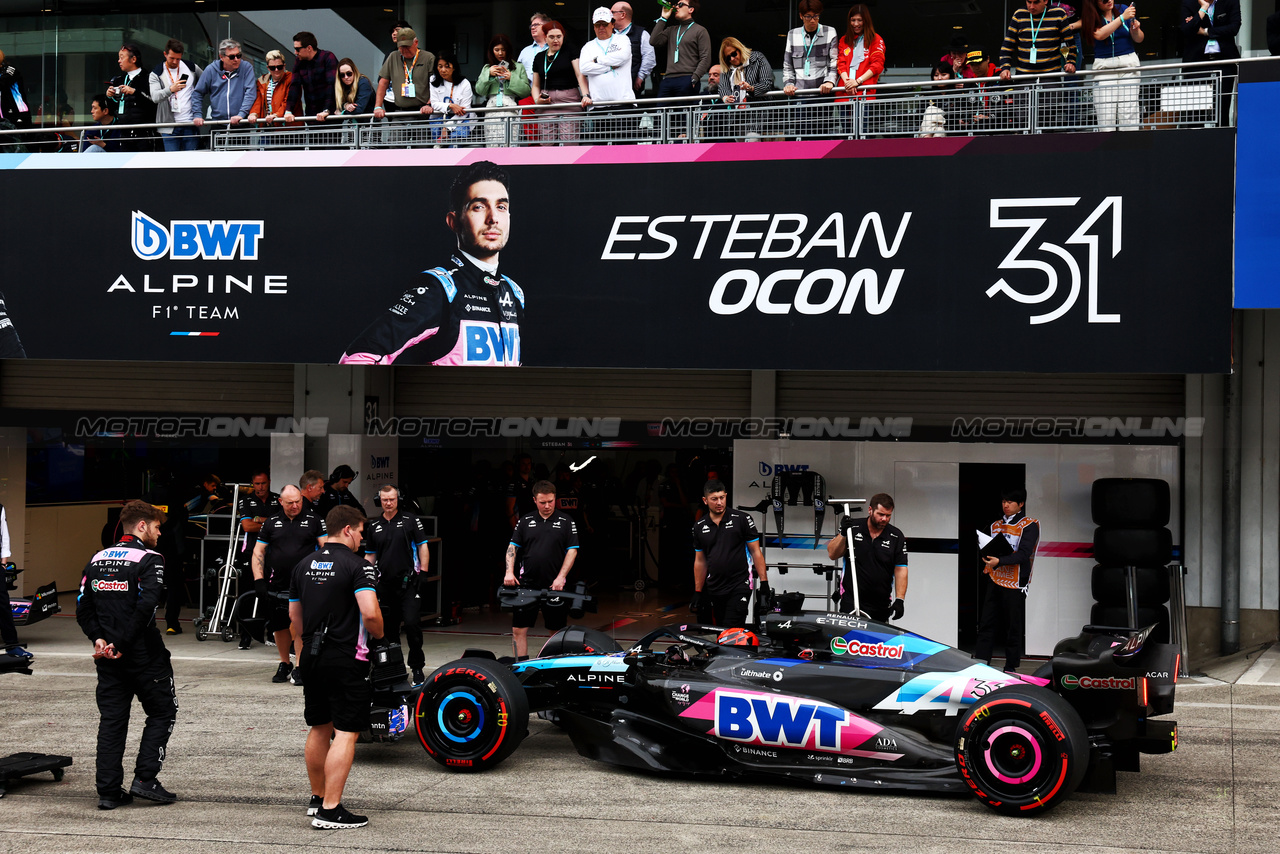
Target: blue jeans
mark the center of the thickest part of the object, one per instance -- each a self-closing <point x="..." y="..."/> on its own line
<point x="678" y="86"/>
<point x="182" y="139"/>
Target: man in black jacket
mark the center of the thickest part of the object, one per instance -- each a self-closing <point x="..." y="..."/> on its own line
<point x="1209" y="35"/>
<point x="119" y="593"/>
<point x="132" y="94"/>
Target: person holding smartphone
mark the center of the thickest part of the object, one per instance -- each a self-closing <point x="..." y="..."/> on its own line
<point x="1116" y="30"/>
<point x="170" y="85"/>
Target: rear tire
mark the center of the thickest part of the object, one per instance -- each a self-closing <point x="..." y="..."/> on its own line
<point x="1108" y="585"/>
<point x="1022" y="750"/>
<point x="471" y="714"/>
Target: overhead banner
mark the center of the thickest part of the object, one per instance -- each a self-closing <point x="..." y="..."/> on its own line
<point x="1039" y="254"/>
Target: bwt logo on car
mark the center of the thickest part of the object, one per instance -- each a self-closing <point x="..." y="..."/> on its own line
<point x="1072" y="682"/>
<point x="781" y="721"/>
<point x="188" y="239"/>
<point x="110" y="586"/>
<point x="766" y="469"/>
<point x="840" y="646"/>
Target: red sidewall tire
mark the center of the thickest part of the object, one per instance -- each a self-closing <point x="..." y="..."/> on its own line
<point x="471" y="714"/>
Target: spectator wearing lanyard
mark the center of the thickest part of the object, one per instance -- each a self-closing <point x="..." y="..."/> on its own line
<point x="1033" y="41"/>
<point x="409" y="71"/>
<point x="558" y="80"/>
<point x="1115" y="30"/>
<point x="605" y="62"/>
<point x="688" y="50"/>
<point x="502" y="84"/>
<point x="451" y="98"/>
<point x="171" y="85"/>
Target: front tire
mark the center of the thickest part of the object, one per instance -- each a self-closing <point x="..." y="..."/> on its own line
<point x="471" y="714"/>
<point x="1022" y="750"/>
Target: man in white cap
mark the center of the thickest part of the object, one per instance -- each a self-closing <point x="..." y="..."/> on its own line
<point x="605" y="62"/>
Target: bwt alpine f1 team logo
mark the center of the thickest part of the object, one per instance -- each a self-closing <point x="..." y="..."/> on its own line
<point x="1088" y="234"/>
<point x="190" y="239"/>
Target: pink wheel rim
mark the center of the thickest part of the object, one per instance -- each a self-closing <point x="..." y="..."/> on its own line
<point x="1015" y="731"/>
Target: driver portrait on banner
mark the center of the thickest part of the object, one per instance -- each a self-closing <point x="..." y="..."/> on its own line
<point x="465" y="312"/>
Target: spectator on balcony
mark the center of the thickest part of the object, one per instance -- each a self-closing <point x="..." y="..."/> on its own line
<point x="408" y="71"/>
<point x="132" y="92"/>
<point x="606" y="65"/>
<point x="503" y="84"/>
<point x="986" y="106"/>
<point x="1115" y="31"/>
<point x="171" y="85"/>
<point x="957" y="56"/>
<point x="15" y="103"/>
<point x="273" y="91"/>
<point x="314" y="74"/>
<point x="1209" y="35"/>
<point x="1034" y="39"/>
<point x="945" y="114"/>
<point x="713" y="80"/>
<point x="95" y="140"/>
<point x="745" y="77"/>
<point x="688" y="47"/>
<point x="531" y="51"/>
<point x="861" y="54"/>
<point x="352" y="92"/>
<point x="980" y="65"/>
<point x="809" y="58"/>
<point x="643" y="57"/>
<point x="451" y="98"/>
<point x="557" y="79"/>
<point x="228" y="88"/>
<point x="389" y="98"/>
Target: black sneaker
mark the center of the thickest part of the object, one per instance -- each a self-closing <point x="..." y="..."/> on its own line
<point x="151" y="790"/>
<point x="245" y="643"/>
<point x="315" y="806"/>
<point x="418" y="677"/>
<point x="282" y="672"/>
<point x="175" y="629"/>
<point x="119" y="799"/>
<point x="338" y="819"/>
<point x="295" y="678"/>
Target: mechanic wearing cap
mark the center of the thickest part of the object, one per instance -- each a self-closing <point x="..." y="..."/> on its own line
<point x="284" y="540"/>
<point x="879" y="562"/>
<point x="726" y="546"/>
<point x="548" y="542"/>
<point x="1004" y="590"/>
<point x="121" y="588"/>
<point x="396" y="542"/>
<point x="332" y="605"/>
<point x="337" y="492"/>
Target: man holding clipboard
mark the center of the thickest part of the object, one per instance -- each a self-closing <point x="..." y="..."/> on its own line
<point x="1007" y="558"/>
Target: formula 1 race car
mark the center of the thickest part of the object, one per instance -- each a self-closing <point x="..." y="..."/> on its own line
<point x="822" y="697"/>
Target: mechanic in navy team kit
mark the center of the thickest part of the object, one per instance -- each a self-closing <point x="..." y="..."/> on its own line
<point x="1004" y="590"/>
<point x="726" y="546"/>
<point x="255" y="508"/>
<point x="547" y="541"/>
<point x="116" y="608"/>
<point x="879" y="563"/>
<point x="333" y="604"/>
<point x="465" y="313"/>
<point x="396" y="542"/>
<point x="284" y="539"/>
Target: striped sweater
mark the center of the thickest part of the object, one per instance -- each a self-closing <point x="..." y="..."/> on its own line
<point x="1051" y="36"/>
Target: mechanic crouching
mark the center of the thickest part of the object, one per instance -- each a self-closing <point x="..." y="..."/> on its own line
<point x="119" y="593"/>
<point x="333" y="603"/>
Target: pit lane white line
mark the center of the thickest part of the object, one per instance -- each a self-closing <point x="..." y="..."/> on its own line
<point x="1177" y="706"/>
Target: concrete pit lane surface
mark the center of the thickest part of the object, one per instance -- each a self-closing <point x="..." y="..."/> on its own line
<point x="235" y="762"/>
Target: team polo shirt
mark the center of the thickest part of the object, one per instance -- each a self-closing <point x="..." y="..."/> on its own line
<point x="289" y="541"/>
<point x="396" y="542"/>
<point x="543" y="544"/>
<point x="874" y="560"/>
<point x="326" y="583"/>
<point x="252" y="507"/>
<point x="724" y="548"/>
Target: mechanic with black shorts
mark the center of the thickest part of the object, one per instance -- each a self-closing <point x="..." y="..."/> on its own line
<point x="254" y="509"/>
<point x="396" y="543"/>
<point x="547" y="541"/>
<point x="121" y="588"/>
<point x="283" y="540"/>
<point x="333" y="605"/>
<point x="726" y="546"/>
<point x="879" y="562"/>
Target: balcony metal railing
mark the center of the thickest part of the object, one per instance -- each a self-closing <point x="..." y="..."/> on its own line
<point x="1149" y="97"/>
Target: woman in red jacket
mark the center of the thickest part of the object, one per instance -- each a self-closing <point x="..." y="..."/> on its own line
<point x="273" y="92"/>
<point x="859" y="60"/>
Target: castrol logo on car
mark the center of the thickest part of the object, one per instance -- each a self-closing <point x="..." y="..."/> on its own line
<point x="1106" y="683"/>
<point x="840" y="646"/>
<point x="103" y="586"/>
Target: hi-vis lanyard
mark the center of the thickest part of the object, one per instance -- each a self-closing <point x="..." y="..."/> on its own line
<point x="1035" y="32"/>
<point x="679" y="37"/>
<point x="808" y="69"/>
<point x="408" y="69"/>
